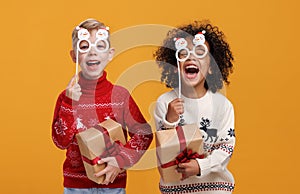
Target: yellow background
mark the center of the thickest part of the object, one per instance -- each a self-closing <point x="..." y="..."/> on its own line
<point x="35" y="67"/>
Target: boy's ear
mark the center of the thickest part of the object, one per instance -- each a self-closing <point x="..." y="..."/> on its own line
<point x="73" y="56"/>
<point x="111" y="53"/>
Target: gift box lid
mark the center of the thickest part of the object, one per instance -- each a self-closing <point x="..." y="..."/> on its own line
<point x="115" y="130"/>
<point x="168" y="142"/>
<point x="91" y="140"/>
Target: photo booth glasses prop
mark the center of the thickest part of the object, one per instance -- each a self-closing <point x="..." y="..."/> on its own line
<point x="84" y="45"/>
<point x="101" y="44"/>
<point x="199" y="50"/>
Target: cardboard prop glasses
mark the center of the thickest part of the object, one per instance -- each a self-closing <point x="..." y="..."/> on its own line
<point x="199" y="50"/>
<point x="101" y="44"/>
<point x="84" y="45"/>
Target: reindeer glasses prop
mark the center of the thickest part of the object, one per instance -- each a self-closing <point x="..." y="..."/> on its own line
<point x="84" y="45"/>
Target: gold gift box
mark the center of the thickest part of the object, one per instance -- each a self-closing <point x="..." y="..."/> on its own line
<point x="92" y="144"/>
<point x="168" y="148"/>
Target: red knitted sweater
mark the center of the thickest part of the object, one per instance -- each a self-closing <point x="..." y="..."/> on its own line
<point x="100" y="100"/>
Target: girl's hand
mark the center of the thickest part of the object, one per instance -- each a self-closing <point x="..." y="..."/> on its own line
<point x="188" y="169"/>
<point x="175" y="109"/>
<point x="73" y="89"/>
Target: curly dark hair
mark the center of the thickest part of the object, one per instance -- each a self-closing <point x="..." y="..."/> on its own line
<point x="220" y="54"/>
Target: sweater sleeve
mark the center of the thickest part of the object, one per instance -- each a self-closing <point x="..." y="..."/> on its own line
<point x="140" y="135"/>
<point x="221" y="151"/>
<point x="160" y="116"/>
<point x="63" y="127"/>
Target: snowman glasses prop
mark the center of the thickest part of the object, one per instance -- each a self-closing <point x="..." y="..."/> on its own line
<point x="199" y="50"/>
<point x="84" y="45"/>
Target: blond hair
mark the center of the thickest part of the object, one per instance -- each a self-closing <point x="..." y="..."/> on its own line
<point x="89" y="24"/>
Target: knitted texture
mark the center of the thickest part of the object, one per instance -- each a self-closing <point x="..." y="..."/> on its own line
<point x="100" y="100"/>
<point x="213" y="113"/>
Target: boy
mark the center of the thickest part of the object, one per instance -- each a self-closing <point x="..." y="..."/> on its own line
<point x="89" y="99"/>
<point x="195" y="60"/>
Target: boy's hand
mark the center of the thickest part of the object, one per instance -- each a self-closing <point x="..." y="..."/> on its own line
<point x="175" y="109"/>
<point x="111" y="170"/>
<point x="188" y="169"/>
<point x="73" y="89"/>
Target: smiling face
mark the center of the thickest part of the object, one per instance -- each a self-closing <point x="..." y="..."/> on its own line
<point x="93" y="62"/>
<point x="193" y="69"/>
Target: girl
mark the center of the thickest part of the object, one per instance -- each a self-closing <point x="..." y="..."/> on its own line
<point x="196" y="61"/>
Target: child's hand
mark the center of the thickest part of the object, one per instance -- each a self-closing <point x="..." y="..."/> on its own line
<point x="175" y="109"/>
<point x="188" y="169"/>
<point x="73" y="90"/>
<point x="111" y="170"/>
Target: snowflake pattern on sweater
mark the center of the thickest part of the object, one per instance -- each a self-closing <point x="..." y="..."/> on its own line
<point x="100" y="100"/>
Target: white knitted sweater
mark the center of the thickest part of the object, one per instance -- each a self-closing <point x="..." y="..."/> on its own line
<point x="214" y="115"/>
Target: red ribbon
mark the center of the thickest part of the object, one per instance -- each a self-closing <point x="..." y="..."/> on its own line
<point x="185" y="154"/>
<point x="112" y="149"/>
<point x="181" y="138"/>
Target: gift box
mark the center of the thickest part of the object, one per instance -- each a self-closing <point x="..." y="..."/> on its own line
<point x="93" y="144"/>
<point x="184" y="142"/>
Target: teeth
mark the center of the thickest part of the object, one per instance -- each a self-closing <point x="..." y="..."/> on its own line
<point x="93" y="63"/>
<point x="191" y="69"/>
<point x="191" y="66"/>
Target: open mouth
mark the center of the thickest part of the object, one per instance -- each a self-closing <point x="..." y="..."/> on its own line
<point x="191" y="71"/>
<point x="91" y="63"/>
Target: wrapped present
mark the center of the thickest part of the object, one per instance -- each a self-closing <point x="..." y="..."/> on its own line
<point x="175" y="146"/>
<point x="97" y="142"/>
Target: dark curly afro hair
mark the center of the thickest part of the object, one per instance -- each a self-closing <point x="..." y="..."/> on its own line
<point x="220" y="54"/>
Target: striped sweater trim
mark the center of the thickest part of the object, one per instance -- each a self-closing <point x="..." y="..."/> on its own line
<point x="197" y="187"/>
